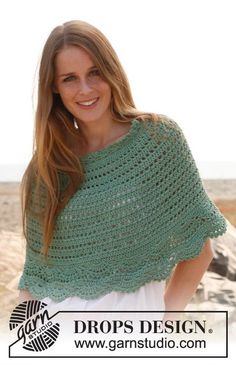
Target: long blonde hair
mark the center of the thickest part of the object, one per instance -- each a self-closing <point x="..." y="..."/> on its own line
<point x="51" y="153"/>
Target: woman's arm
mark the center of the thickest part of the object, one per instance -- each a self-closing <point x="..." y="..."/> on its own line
<point x="185" y="279"/>
<point x="24" y="294"/>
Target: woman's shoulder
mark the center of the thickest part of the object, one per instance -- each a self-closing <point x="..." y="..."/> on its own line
<point x="163" y="127"/>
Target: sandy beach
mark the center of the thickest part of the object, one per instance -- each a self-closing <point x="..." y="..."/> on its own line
<point x="222" y="192"/>
<point x="12" y="244"/>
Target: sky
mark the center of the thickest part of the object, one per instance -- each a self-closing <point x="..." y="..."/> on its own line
<point x="178" y="55"/>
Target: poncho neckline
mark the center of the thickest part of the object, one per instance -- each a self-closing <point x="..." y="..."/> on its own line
<point x="113" y="147"/>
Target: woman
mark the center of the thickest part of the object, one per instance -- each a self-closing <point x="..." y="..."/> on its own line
<point x="112" y="199"/>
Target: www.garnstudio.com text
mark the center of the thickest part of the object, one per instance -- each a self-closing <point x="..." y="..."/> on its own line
<point x="162" y="343"/>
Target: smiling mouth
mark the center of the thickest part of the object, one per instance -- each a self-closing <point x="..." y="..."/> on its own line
<point x="88" y="103"/>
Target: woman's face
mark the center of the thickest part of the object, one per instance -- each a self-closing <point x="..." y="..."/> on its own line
<point x="82" y="90"/>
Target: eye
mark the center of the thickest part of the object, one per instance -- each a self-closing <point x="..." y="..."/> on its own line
<point x="94" y="72"/>
<point x="69" y="78"/>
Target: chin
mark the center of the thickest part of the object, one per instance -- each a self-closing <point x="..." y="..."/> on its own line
<point x="93" y="118"/>
<point x="89" y="120"/>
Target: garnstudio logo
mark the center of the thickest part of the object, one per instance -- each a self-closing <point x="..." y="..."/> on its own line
<point x="37" y="330"/>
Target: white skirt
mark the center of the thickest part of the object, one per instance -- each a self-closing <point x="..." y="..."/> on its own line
<point x="149" y="297"/>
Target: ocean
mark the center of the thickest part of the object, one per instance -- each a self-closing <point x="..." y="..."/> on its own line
<point x="207" y="170"/>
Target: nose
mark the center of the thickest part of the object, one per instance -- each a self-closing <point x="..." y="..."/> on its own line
<point x="84" y="87"/>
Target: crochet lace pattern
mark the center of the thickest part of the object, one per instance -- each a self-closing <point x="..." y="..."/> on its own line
<point x="141" y="210"/>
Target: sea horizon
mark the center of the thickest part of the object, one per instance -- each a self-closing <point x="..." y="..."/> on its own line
<point x="207" y="169"/>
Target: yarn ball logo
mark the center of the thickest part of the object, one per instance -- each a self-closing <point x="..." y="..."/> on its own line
<point x="36" y="330"/>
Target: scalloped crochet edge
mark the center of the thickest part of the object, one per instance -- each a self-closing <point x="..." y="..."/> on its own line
<point x="181" y="256"/>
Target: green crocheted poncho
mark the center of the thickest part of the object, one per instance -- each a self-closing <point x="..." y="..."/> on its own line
<point x="141" y="209"/>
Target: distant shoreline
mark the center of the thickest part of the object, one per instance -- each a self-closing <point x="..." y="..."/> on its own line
<point x="208" y="170"/>
<point x="216" y="188"/>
